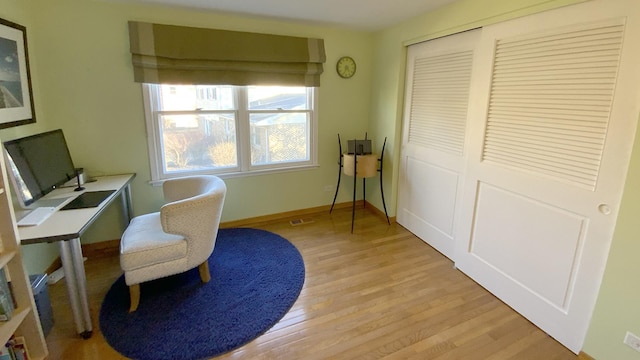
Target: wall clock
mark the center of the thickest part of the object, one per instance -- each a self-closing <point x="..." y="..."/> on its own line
<point x="346" y="67"/>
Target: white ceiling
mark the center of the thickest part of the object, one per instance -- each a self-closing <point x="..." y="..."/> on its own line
<point x="358" y="14"/>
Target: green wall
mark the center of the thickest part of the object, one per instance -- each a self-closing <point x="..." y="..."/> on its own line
<point x="618" y="308"/>
<point x="83" y="84"/>
<point x="86" y="72"/>
<point x="83" y="73"/>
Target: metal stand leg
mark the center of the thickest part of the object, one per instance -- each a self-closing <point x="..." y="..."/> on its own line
<point x="355" y="178"/>
<point x="75" y="278"/>
<point x="339" y="175"/>
<point x="364" y="193"/>
<point x="384" y="205"/>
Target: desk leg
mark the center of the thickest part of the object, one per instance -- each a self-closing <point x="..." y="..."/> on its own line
<point x="81" y="279"/>
<point x="127" y="204"/>
<point x="75" y="278"/>
<point x="70" y="280"/>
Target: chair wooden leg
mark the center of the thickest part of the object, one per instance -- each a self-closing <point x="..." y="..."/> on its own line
<point x="134" y="293"/>
<point x="205" y="275"/>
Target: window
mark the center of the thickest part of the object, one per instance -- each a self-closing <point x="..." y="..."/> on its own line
<point x="220" y="129"/>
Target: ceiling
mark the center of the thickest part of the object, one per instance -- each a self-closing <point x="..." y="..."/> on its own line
<point x="358" y="14"/>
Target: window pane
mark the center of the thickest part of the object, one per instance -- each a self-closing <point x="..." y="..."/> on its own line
<point x="277" y="98"/>
<point x="198" y="142"/>
<point x="279" y="138"/>
<point x="210" y="128"/>
<point x="192" y="97"/>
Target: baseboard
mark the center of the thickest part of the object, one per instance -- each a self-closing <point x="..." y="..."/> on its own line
<point x="112" y="247"/>
<point x="392" y="219"/>
<point x="584" y="356"/>
<point x="101" y="249"/>
<point x="296" y="214"/>
<point x="283" y="216"/>
<point x="92" y="250"/>
<point x="55" y="265"/>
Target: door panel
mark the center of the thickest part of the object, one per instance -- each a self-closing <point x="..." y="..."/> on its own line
<point x="554" y="106"/>
<point x="542" y="261"/>
<point x="551" y="96"/>
<point x="431" y="219"/>
<point x="434" y="135"/>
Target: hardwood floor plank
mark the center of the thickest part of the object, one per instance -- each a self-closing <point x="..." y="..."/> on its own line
<point x="377" y="293"/>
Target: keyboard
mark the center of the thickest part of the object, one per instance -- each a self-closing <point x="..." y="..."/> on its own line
<point x="37" y="216"/>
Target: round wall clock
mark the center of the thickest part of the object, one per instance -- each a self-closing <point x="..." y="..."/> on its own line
<point x="346" y="67"/>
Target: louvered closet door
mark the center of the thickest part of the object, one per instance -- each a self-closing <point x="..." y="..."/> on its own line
<point x="432" y="154"/>
<point x="554" y="115"/>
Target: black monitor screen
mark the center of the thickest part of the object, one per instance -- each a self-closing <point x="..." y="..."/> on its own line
<point x="39" y="163"/>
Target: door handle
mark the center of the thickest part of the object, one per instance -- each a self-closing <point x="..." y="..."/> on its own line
<point x="604" y="209"/>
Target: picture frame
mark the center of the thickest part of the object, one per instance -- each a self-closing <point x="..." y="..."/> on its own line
<point x="16" y="95"/>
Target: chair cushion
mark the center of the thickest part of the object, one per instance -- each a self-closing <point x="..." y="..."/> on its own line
<point x="144" y="243"/>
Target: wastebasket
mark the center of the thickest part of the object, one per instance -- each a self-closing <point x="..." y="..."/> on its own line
<point x="41" y="296"/>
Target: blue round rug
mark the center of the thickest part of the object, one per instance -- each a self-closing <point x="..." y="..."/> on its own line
<point x="256" y="276"/>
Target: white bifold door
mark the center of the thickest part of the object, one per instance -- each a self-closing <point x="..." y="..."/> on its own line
<point x="552" y="113"/>
<point x="433" y="147"/>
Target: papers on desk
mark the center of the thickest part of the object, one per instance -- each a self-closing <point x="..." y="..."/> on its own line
<point x="37" y="216"/>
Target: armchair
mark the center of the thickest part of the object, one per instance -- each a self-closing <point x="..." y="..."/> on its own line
<point x="178" y="238"/>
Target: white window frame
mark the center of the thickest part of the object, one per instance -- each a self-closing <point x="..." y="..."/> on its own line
<point x="243" y="143"/>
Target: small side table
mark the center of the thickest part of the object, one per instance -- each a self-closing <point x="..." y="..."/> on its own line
<point x="360" y="166"/>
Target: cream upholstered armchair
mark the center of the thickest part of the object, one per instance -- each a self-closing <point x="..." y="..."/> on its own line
<point x="178" y="238"/>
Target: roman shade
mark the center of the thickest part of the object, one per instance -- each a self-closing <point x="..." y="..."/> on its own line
<point x="169" y="54"/>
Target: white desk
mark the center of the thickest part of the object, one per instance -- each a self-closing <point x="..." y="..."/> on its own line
<point x="66" y="227"/>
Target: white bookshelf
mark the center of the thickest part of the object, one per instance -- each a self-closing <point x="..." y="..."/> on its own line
<point x="24" y="320"/>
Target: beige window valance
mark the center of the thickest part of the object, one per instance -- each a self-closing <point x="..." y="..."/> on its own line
<point x="169" y="54"/>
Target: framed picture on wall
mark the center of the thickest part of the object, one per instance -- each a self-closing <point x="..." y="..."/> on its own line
<point x="16" y="97"/>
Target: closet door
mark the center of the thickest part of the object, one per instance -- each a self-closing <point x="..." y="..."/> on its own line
<point x="554" y="113"/>
<point x="433" y="147"/>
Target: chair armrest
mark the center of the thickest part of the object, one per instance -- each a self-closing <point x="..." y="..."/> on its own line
<point x="186" y="217"/>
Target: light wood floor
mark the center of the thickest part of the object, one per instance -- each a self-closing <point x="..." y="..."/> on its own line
<point x="377" y="293"/>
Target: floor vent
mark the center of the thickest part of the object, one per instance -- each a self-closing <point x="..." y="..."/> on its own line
<point x="297" y="222"/>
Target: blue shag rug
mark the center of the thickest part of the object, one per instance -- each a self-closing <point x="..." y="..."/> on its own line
<point x="256" y="276"/>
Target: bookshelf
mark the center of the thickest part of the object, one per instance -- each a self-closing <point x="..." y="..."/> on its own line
<point x="24" y="319"/>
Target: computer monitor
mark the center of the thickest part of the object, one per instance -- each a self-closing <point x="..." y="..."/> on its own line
<point x="38" y="164"/>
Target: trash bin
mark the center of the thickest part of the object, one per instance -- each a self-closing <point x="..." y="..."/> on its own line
<point x="41" y="296"/>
